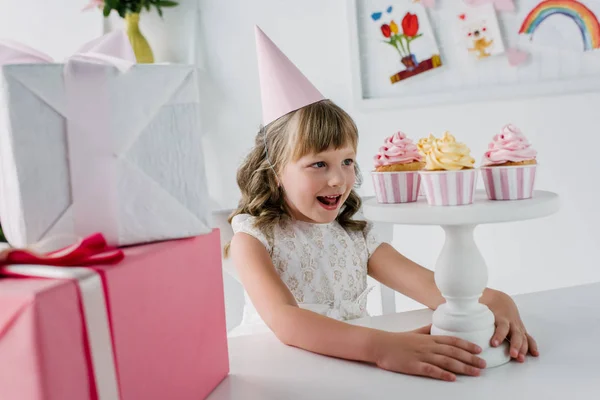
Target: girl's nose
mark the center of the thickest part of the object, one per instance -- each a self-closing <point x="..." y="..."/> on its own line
<point x="337" y="178"/>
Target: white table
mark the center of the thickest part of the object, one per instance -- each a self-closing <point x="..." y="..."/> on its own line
<point x="565" y="323"/>
<point x="461" y="271"/>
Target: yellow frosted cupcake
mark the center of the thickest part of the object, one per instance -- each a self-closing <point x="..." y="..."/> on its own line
<point x="449" y="174"/>
<point x="446" y="154"/>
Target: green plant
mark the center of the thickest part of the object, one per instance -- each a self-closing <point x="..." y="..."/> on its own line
<point x="124" y="7"/>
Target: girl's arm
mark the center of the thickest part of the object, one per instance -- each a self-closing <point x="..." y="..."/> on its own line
<point x="408" y="352"/>
<point x="278" y="308"/>
<point x="391" y="268"/>
<point x="407" y="277"/>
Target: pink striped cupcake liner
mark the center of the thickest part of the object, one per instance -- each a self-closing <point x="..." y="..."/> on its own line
<point x="449" y="188"/>
<point x="396" y="187"/>
<point x="509" y="183"/>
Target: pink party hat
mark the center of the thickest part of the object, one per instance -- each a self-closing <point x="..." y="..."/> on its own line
<point x="283" y="87"/>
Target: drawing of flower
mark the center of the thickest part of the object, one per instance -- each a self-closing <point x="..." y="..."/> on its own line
<point x="400" y="26"/>
<point x="410" y="24"/>
<point x="401" y="41"/>
<point x="386" y="30"/>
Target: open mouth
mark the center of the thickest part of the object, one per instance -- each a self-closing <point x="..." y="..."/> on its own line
<point x="329" y="202"/>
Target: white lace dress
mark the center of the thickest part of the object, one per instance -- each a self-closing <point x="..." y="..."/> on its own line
<point x="323" y="265"/>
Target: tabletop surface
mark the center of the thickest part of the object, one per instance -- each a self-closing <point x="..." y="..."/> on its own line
<point x="565" y="322"/>
<point x="482" y="211"/>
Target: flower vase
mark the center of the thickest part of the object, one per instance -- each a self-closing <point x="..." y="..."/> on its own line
<point x="410" y="62"/>
<point x="141" y="48"/>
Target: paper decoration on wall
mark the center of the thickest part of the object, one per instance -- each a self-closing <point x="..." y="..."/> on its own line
<point x="411" y="38"/>
<point x="426" y="3"/>
<point x="582" y="16"/>
<point x="480" y="31"/>
<point x="516" y="57"/>
<point x="501" y="5"/>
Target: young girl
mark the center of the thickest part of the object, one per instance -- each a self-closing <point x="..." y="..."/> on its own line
<point x="302" y="258"/>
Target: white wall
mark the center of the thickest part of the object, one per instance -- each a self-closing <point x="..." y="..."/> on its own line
<point x="57" y="28"/>
<point x="527" y="256"/>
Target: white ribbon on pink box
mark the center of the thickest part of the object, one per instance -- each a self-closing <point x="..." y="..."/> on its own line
<point x="93" y="305"/>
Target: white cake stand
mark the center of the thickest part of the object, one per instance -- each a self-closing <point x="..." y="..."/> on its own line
<point x="460" y="271"/>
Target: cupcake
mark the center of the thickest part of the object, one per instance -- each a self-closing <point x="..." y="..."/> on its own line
<point x="396" y="175"/>
<point x="449" y="175"/>
<point x="509" y="166"/>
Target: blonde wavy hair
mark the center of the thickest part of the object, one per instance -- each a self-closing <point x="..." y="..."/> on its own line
<point x="309" y="130"/>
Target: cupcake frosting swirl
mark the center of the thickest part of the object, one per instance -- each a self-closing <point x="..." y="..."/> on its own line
<point x="509" y="145"/>
<point x="424" y="144"/>
<point x="397" y="149"/>
<point x="447" y="154"/>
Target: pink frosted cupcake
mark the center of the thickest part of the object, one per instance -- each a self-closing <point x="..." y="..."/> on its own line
<point x="449" y="175"/>
<point x="509" y="166"/>
<point x="396" y="178"/>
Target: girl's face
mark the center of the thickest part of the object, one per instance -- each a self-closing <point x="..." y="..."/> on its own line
<point x="317" y="185"/>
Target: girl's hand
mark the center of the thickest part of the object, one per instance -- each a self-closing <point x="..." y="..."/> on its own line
<point x="418" y="353"/>
<point x="509" y="326"/>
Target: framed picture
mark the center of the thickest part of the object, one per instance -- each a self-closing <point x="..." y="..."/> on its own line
<point x="542" y="48"/>
<point x="393" y="48"/>
<point x="479" y="30"/>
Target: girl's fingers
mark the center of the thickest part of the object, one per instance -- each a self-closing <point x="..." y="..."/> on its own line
<point x="456" y="342"/>
<point x="501" y="331"/>
<point x="432" y="371"/>
<point x="533" y="347"/>
<point x="524" y="348"/>
<point x="452" y="365"/>
<point x="460" y="355"/>
<point x="516" y="341"/>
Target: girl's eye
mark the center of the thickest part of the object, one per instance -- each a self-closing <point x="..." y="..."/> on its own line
<point x="348" y="161"/>
<point x="319" y="164"/>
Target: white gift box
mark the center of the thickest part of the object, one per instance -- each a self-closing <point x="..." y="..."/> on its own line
<point x="145" y="176"/>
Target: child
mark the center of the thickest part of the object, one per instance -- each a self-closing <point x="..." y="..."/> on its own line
<point x="302" y="258"/>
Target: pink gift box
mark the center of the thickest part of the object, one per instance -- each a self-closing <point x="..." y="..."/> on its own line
<point x="167" y="316"/>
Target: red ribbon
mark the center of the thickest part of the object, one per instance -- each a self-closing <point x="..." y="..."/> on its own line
<point x="92" y="250"/>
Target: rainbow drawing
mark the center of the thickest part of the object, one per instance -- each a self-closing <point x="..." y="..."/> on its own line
<point x="584" y="18"/>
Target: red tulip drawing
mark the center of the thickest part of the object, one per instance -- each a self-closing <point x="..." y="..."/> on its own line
<point x="386" y="30"/>
<point x="399" y="29"/>
<point x="410" y="24"/>
<point x="401" y="41"/>
<point x="410" y="28"/>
